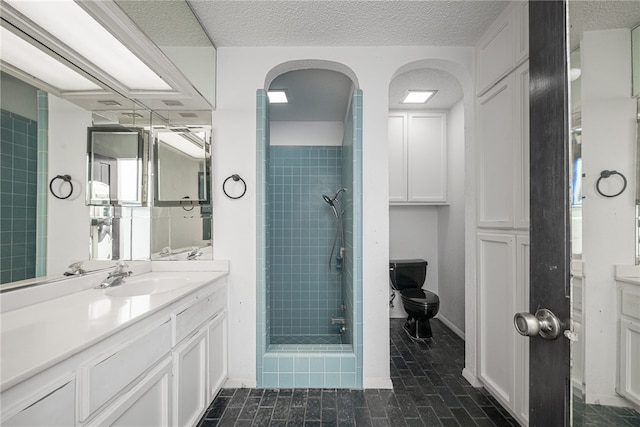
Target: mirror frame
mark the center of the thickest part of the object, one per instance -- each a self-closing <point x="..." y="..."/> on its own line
<point x="204" y="178"/>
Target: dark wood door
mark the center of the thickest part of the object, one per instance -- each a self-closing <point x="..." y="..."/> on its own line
<point x="549" y="374"/>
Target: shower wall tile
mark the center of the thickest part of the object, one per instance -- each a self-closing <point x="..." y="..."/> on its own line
<point x="18" y="193"/>
<point x="42" y="188"/>
<point x="304" y="293"/>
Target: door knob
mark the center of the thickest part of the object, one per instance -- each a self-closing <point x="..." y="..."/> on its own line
<point x="544" y="323"/>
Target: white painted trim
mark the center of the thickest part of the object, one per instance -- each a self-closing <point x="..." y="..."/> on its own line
<point x="451" y="326"/>
<point x="377" y="383"/>
<point x="240" y="383"/>
<point x="609" y="400"/>
<point x="473" y="380"/>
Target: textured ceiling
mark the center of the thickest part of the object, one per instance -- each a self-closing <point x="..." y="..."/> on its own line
<point x="601" y="15"/>
<point x="346" y="22"/>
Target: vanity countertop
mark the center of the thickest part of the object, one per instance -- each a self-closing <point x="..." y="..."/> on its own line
<point x="628" y="274"/>
<point x="40" y="335"/>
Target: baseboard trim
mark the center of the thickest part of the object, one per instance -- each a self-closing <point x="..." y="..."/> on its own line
<point x="473" y="380"/>
<point x="239" y="383"/>
<point x="377" y="383"/>
<point x="451" y="326"/>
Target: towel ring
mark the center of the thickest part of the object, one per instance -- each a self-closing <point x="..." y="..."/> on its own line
<point x="184" y="207"/>
<point x="236" y="178"/>
<point x="607" y="174"/>
<point x="65" y="178"/>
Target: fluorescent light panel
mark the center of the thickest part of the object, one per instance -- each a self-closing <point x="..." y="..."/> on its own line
<point x="31" y="60"/>
<point x="70" y="24"/>
<point x="277" y="97"/>
<point x="418" y="96"/>
<point x="181" y="143"/>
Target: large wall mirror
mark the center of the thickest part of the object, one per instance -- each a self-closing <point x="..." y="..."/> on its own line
<point x="604" y="146"/>
<point x="77" y="169"/>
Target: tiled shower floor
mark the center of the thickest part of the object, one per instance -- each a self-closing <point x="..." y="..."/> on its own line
<point x="428" y="391"/>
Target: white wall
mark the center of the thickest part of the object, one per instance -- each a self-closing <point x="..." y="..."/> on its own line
<point x="306" y="133"/>
<point x="451" y="227"/>
<point x="67" y="220"/>
<point x="240" y="72"/>
<point x="608" y="142"/>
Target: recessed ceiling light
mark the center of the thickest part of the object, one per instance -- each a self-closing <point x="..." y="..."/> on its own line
<point x="418" y="96"/>
<point x="277" y="97"/>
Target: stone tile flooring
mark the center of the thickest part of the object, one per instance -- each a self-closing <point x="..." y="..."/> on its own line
<point x="428" y="391"/>
<point x="585" y="415"/>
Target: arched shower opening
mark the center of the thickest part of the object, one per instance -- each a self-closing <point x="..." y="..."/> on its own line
<point x="309" y="228"/>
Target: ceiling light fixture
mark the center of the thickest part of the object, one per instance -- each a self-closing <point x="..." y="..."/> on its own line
<point x="418" y="96"/>
<point x="185" y="142"/>
<point x="31" y="61"/>
<point x="278" y="97"/>
<point x="73" y="26"/>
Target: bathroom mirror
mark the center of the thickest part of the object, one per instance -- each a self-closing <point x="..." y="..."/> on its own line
<point x="33" y="253"/>
<point x="182" y="171"/>
<point x="117" y="163"/>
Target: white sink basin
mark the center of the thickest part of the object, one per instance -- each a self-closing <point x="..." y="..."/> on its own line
<point x="149" y="285"/>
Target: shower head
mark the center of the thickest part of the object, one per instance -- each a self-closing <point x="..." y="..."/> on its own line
<point x="330" y="201"/>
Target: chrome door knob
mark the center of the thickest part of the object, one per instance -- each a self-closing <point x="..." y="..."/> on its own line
<point x="544" y="323"/>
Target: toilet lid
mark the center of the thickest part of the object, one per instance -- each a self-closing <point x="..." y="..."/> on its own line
<point x="427" y="297"/>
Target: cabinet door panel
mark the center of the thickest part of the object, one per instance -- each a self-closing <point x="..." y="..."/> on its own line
<point x="54" y="407"/>
<point x="217" y="343"/>
<point x="148" y="403"/>
<point x="522" y="349"/>
<point x="190" y="362"/>
<point x="397" y="130"/>
<point x="521" y="161"/>
<point x="629" y="355"/>
<point x="427" y="157"/>
<point x="495" y="54"/>
<point x="495" y="156"/>
<point x="496" y="279"/>
<point x="105" y="377"/>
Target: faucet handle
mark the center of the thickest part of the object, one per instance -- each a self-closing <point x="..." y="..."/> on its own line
<point x="120" y="266"/>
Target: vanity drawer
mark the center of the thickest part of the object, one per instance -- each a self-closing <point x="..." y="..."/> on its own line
<point x="630" y="303"/>
<point x="190" y="318"/>
<point x="105" y="377"/>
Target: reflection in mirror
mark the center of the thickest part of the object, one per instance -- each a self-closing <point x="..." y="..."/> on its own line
<point x="182" y="166"/>
<point x="181" y="214"/>
<point x="603" y="137"/>
<point x="116" y="166"/>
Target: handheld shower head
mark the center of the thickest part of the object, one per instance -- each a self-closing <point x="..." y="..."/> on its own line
<point x="330" y="201"/>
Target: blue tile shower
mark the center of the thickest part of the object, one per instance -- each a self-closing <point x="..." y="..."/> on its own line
<point x="305" y="293"/>
<point x="297" y="294"/>
<point x="18" y="196"/>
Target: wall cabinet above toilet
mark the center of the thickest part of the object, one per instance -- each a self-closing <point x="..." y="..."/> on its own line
<point x="417" y="157"/>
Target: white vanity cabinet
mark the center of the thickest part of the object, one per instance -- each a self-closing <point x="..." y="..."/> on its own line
<point x="629" y="342"/>
<point x="417" y="157"/>
<point x="52" y="406"/>
<point x="161" y="370"/>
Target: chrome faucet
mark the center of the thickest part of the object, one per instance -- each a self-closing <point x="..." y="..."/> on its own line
<point x="166" y="251"/>
<point x="116" y="277"/>
<point x="75" y="269"/>
<point x="194" y="254"/>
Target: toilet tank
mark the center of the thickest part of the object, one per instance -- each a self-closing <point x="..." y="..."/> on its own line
<point x="407" y="273"/>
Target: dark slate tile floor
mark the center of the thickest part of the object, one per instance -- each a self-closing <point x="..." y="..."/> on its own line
<point x="585" y="415"/>
<point x="428" y="391"/>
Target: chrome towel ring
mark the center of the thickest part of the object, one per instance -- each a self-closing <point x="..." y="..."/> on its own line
<point x="236" y="178"/>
